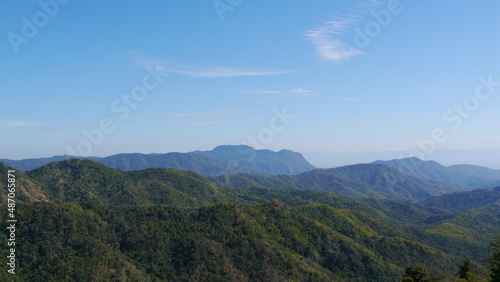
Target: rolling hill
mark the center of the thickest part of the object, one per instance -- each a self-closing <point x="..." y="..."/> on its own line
<point x="87" y="182"/>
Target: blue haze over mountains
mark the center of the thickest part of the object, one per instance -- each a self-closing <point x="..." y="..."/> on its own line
<point x="225" y="159"/>
<point x="244" y="167"/>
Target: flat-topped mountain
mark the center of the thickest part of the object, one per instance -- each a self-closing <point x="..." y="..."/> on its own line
<point x="265" y="162"/>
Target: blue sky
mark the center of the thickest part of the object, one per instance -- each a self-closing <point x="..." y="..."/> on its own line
<point x="315" y="76"/>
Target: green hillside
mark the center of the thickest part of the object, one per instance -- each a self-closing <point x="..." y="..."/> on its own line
<point x="462" y="201"/>
<point x="271" y="242"/>
<point x="358" y="181"/>
<point x="88" y="182"/>
<point x="81" y="220"/>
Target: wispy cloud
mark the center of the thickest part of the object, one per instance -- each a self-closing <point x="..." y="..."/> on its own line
<point x="197" y="71"/>
<point x="137" y="58"/>
<point x="481" y="139"/>
<point x="299" y="91"/>
<point x="327" y="47"/>
<point x="490" y="137"/>
<point x="228" y="113"/>
<point x="18" y="123"/>
<point x="302" y="91"/>
<point x="218" y="72"/>
<point x="204" y="123"/>
<point x="263" y="92"/>
<point x="326" y="37"/>
<point x="370" y="5"/>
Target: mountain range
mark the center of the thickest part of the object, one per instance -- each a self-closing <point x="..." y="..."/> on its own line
<point x="358" y="181"/>
<point x="222" y="160"/>
<point x="82" y="220"/>
<point x="241" y="159"/>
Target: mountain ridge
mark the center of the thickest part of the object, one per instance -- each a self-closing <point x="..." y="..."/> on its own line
<point x="85" y="181"/>
<point x="469" y="176"/>
<point x="224" y="159"/>
<point x="358" y="181"/>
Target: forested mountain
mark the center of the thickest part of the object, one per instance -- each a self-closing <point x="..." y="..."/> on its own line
<point x="469" y="176"/>
<point x="88" y="182"/>
<point x="271" y="242"/>
<point x="359" y="181"/>
<point x="26" y="190"/>
<point x="459" y="202"/>
<point x="200" y="164"/>
<point x="81" y="220"/>
<point x="231" y="160"/>
<point x="220" y="161"/>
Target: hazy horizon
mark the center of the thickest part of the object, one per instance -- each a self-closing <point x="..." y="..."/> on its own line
<point x="447" y="157"/>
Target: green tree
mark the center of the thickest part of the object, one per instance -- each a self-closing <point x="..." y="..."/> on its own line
<point x="417" y="273"/>
<point x="465" y="269"/>
<point x="495" y="259"/>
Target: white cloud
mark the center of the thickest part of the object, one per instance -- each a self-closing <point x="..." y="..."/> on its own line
<point x="216" y="113"/>
<point x="263" y="92"/>
<point x="326" y="36"/>
<point x="344" y="98"/>
<point x="137" y="58"/>
<point x="301" y="90"/>
<point x="206" y="123"/>
<point x="218" y="72"/>
<point x="370" y="5"/>
<point x="14" y="124"/>
<point x="196" y="71"/>
<point x="328" y="48"/>
<point x="472" y="139"/>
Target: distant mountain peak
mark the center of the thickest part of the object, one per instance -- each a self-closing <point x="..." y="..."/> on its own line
<point x="261" y="161"/>
<point x="286" y="152"/>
